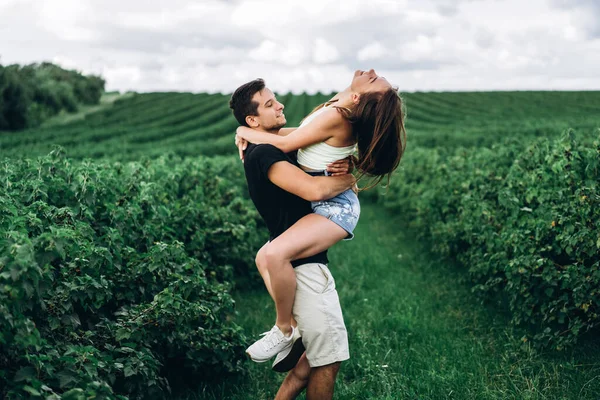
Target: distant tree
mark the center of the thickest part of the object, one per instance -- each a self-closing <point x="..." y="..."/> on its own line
<point x="3" y="122"/>
<point x="15" y="100"/>
<point x="32" y="93"/>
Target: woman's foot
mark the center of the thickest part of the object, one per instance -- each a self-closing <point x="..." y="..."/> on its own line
<point x="288" y="358"/>
<point x="270" y="344"/>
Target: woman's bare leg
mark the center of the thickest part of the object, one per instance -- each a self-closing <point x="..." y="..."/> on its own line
<point x="261" y="265"/>
<point x="309" y="236"/>
<point x="262" y="269"/>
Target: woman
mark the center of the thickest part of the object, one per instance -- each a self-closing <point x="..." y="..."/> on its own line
<point x="367" y="116"/>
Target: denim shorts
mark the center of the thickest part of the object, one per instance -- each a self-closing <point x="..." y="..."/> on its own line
<point x="343" y="209"/>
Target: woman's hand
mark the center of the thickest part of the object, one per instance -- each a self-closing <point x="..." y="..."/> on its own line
<point x="241" y="144"/>
<point x="341" y="167"/>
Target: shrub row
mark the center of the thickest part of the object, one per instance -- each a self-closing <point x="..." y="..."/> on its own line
<point x="523" y="220"/>
<point x="115" y="278"/>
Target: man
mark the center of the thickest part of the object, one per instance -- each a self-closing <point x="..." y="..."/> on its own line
<point x="282" y="192"/>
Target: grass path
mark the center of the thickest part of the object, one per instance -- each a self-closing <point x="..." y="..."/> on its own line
<point x="416" y="333"/>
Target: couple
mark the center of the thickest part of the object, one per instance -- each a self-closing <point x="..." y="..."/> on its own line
<point x="307" y="211"/>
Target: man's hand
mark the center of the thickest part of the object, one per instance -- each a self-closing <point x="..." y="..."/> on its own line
<point x="241" y="145"/>
<point x="312" y="188"/>
<point x="341" y="167"/>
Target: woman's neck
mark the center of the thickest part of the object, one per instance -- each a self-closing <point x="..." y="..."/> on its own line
<point x="343" y="99"/>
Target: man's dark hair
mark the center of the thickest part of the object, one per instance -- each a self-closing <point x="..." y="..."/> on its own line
<point x="241" y="100"/>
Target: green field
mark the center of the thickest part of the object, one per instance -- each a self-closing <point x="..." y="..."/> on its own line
<point x="186" y="124"/>
<point x="475" y="275"/>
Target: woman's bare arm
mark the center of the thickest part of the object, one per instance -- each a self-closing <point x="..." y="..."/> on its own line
<point x="286" y="131"/>
<point x="322" y="128"/>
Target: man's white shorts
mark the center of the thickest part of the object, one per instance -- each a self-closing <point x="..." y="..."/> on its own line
<point x="319" y="315"/>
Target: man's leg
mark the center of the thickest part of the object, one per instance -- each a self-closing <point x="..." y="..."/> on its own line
<point x="319" y="380"/>
<point x="322" y="382"/>
<point x="296" y="380"/>
<point x="319" y="314"/>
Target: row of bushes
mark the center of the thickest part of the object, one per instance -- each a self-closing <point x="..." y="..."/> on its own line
<point x="115" y="278"/>
<point x="32" y="93"/>
<point x="523" y="220"/>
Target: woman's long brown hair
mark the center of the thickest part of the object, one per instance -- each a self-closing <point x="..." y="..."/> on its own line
<point x="378" y="128"/>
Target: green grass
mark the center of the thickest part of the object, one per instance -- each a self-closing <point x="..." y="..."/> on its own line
<point x="417" y="333"/>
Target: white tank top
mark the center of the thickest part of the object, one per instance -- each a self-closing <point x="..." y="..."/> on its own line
<point x="317" y="156"/>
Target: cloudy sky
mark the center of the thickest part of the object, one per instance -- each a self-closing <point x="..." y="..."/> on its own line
<point x="311" y="45"/>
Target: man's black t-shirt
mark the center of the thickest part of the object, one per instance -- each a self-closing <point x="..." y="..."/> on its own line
<point x="278" y="208"/>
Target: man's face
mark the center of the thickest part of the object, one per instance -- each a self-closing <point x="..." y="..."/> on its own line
<point x="270" y="112"/>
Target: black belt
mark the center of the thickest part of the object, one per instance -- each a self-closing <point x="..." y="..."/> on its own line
<point x="318" y="173"/>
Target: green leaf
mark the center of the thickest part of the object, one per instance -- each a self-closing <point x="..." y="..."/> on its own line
<point x="123" y="334"/>
<point x="65" y="378"/>
<point x="31" y="390"/>
<point x="54" y="323"/>
<point x="91" y="370"/>
<point x="128" y="371"/>
<point x="74" y="394"/>
<point x="73" y="319"/>
<point x="25" y="373"/>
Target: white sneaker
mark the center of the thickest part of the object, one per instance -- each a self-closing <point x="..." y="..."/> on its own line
<point x="270" y="344"/>
<point x="288" y="358"/>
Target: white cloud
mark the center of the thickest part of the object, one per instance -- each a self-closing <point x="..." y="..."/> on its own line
<point x="290" y="54"/>
<point x="324" y="52"/>
<point x="425" y="47"/>
<point x="125" y="77"/>
<point x="66" y="19"/>
<point x="311" y="45"/>
<point x="266" y="52"/>
<point x="423" y="17"/>
<point x="65" y="62"/>
<point x="372" y="51"/>
<point x="208" y="14"/>
<point x="7" y="3"/>
<point x="265" y="15"/>
<point x="571" y="32"/>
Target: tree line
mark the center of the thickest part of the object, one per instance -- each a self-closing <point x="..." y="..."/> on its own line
<point x="32" y="93"/>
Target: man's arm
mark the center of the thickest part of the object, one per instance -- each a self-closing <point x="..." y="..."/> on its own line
<point x="311" y="188"/>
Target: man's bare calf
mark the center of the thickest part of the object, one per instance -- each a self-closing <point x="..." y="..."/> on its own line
<point x="319" y="381"/>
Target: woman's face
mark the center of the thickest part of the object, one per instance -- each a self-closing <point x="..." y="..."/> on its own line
<point x="368" y="81"/>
